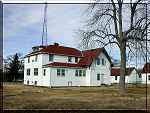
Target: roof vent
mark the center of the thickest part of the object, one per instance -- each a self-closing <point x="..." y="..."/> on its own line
<point x="56" y="44"/>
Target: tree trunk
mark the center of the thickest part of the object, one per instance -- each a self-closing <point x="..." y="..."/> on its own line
<point x="123" y="66"/>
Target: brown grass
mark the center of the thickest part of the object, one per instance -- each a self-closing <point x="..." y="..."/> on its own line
<point x="19" y="96"/>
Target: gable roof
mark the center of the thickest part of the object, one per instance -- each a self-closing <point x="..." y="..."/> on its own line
<point x="90" y="55"/>
<point x="86" y="57"/>
<point x="56" y="49"/>
<point x="116" y="71"/>
<point x="146" y="68"/>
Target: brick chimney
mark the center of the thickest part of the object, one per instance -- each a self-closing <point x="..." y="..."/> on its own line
<point x="56" y="44"/>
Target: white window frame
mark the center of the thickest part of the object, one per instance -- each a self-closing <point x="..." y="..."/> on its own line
<point x="97" y="61"/>
<point x="76" y="73"/>
<point x="62" y="72"/>
<point x="116" y="77"/>
<point x="69" y="59"/>
<point x="28" y="72"/>
<point x="80" y="73"/>
<point x="98" y="76"/>
<point x="28" y="82"/>
<point x="51" y="57"/>
<point x="103" y="62"/>
<point x="76" y="59"/>
<point x="84" y="73"/>
<point x="35" y="71"/>
<point x="149" y="77"/>
<point x="35" y="83"/>
<point x="58" y="72"/>
<point x="28" y="59"/>
<point x="44" y="72"/>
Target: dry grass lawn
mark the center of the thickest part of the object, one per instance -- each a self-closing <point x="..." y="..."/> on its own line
<point x="19" y="96"/>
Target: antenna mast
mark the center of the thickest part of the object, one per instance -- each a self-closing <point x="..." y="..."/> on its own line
<point x="44" y="32"/>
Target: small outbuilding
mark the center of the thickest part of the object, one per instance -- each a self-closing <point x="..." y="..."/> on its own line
<point x="132" y="75"/>
<point x="146" y="73"/>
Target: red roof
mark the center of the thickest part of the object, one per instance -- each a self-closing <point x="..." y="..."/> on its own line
<point x="116" y="71"/>
<point x="86" y="60"/>
<point x="89" y="56"/>
<point x="60" y="64"/>
<point x="146" y="68"/>
<point x="86" y="57"/>
<point x="60" y="50"/>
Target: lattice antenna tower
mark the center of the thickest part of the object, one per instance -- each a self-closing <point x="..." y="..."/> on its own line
<point x="44" y="31"/>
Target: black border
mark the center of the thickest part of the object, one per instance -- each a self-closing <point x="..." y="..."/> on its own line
<point x="1" y="56"/>
<point x="60" y="111"/>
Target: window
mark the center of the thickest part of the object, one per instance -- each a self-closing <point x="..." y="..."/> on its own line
<point x="44" y="72"/>
<point x="35" y="71"/>
<point x="28" y="82"/>
<point x="76" y="59"/>
<point x="28" y="71"/>
<point x="51" y="57"/>
<point x="149" y="77"/>
<point x="140" y="76"/>
<point x="58" y="72"/>
<point x="80" y="72"/>
<point x="103" y="61"/>
<point x="35" y="82"/>
<point x="69" y="59"/>
<point x="98" y="61"/>
<point x="63" y="72"/>
<point x="116" y="77"/>
<point x="28" y="59"/>
<point x="98" y="76"/>
<point x="76" y="73"/>
<point x="36" y="57"/>
<point x="84" y="73"/>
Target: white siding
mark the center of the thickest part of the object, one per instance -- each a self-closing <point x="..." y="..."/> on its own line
<point x="118" y="79"/>
<point x="51" y="78"/>
<point x="113" y="79"/>
<point x="57" y="58"/>
<point x="32" y="78"/>
<point x="100" y="69"/>
<point x="132" y="78"/>
<point x="68" y="79"/>
<point x="46" y="78"/>
<point x="144" y="78"/>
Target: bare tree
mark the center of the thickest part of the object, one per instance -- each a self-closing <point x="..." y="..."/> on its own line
<point x="125" y="25"/>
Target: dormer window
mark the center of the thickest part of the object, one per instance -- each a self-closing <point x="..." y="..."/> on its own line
<point x="76" y="59"/>
<point x="69" y="59"/>
<point x="50" y="57"/>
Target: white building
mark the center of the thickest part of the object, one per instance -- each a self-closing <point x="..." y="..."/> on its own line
<point x="146" y="73"/>
<point x="132" y="75"/>
<point x="56" y="65"/>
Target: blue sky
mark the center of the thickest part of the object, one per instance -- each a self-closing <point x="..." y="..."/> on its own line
<point x="23" y="26"/>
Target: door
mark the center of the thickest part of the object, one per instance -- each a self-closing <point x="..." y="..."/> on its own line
<point x="69" y="83"/>
<point x="98" y="79"/>
<point x="102" y="79"/>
